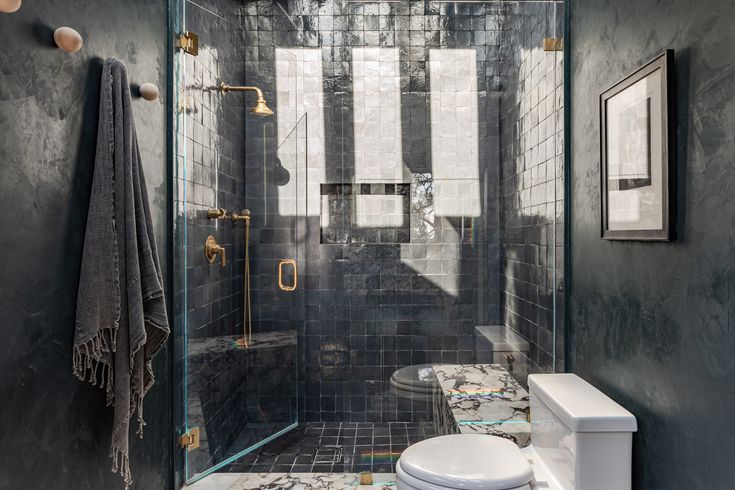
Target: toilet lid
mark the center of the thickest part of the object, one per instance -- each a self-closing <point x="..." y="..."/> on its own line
<point x="468" y="461"/>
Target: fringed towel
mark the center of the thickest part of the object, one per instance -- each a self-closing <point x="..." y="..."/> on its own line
<point x="121" y="319"/>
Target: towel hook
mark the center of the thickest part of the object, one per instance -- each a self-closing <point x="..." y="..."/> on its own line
<point x="68" y="39"/>
<point x="148" y="91"/>
<point x="10" y="6"/>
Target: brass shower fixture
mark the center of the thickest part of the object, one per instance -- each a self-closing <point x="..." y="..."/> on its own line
<point x="242" y="216"/>
<point x="216" y="213"/>
<point x="260" y="108"/>
<point x="212" y="249"/>
<point x="221" y="214"/>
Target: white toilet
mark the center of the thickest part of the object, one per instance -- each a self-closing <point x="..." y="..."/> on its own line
<point x="580" y="440"/>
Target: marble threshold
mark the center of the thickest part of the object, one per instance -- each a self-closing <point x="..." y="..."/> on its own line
<point x="292" y="481"/>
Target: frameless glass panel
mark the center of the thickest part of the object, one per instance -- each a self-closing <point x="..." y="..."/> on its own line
<point x="239" y="302"/>
<point x="532" y="182"/>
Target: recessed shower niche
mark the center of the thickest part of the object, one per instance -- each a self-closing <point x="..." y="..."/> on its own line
<point x="406" y="190"/>
<point x="365" y="213"/>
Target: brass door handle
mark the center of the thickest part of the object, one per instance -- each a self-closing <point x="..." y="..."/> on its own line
<point x="282" y="286"/>
<point x="212" y="249"/>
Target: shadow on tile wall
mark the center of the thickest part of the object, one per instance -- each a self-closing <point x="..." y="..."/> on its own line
<point x="400" y="278"/>
<point x="381" y="172"/>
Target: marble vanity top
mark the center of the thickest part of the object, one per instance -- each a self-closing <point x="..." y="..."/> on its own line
<point x="483" y="399"/>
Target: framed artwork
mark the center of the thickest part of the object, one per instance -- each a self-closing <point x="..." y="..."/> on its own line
<point x="638" y="154"/>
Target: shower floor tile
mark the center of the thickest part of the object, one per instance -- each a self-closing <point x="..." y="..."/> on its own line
<point x="334" y="447"/>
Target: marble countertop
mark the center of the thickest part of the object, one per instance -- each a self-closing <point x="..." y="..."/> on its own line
<point x="485" y="399"/>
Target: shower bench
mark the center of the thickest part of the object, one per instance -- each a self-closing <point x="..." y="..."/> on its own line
<point x="480" y="399"/>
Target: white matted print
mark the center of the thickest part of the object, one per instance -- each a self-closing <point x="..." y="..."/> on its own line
<point x="636" y="155"/>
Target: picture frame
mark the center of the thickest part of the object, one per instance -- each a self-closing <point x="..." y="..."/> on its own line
<point x="638" y="154"/>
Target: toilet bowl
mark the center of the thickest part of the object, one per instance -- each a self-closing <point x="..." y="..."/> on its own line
<point x="580" y="440"/>
<point x="414" y="381"/>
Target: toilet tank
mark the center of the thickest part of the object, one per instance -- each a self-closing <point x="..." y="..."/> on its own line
<point x="498" y="344"/>
<point x="582" y="436"/>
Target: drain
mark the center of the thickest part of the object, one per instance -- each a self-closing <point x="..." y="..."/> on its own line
<point x="328" y="455"/>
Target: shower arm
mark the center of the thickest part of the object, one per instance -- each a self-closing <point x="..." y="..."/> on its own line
<point x="260" y="109"/>
<point x="223" y="87"/>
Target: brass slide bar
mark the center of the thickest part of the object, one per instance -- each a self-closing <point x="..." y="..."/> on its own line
<point x="211" y="249"/>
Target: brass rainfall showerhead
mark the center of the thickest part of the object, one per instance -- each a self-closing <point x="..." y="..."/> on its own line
<point x="260" y="108"/>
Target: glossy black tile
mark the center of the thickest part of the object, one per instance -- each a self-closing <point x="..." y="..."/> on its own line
<point x="335" y="447"/>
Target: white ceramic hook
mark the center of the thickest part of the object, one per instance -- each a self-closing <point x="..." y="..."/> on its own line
<point x="9" y="6"/>
<point x="148" y="91"/>
<point x="68" y="39"/>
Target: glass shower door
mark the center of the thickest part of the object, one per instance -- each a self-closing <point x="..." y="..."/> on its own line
<point x="238" y="298"/>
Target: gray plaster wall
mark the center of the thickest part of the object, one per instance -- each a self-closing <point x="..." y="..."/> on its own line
<point x="55" y="430"/>
<point x="652" y="324"/>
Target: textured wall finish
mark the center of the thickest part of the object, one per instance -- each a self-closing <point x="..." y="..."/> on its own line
<point x="652" y="323"/>
<point x="55" y="429"/>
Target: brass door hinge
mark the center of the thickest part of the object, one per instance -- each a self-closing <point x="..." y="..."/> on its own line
<point x="553" y="44"/>
<point x="189" y="42"/>
<point x="190" y="440"/>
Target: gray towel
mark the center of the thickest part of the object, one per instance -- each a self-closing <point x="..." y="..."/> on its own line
<point x="121" y="317"/>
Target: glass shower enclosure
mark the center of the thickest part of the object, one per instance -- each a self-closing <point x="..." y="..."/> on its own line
<point x="239" y="191"/>
<point x="414" y="163"/>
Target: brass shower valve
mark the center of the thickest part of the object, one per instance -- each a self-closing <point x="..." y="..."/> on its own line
<point x="217" y="213"/>
<point x="221" y="214"/>
<point x="212" y="249"/>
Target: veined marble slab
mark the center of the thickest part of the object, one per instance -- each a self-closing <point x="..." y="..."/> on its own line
<point x="229" y="343"/>
<point x="481" y="399"/>
<point x="292" y="481"/>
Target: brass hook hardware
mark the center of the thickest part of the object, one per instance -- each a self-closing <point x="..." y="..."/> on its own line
<point x="212" y="249"/>
<point x="148" y="91"/>
<point x="68" y="39"/>
<point x="553" y="44"/>
<point x="188" y="42"/>
<point x="190" y="440"/>
<point x="282" y="286"/>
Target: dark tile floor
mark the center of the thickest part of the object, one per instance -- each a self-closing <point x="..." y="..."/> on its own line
<point x="333" y="447"/>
